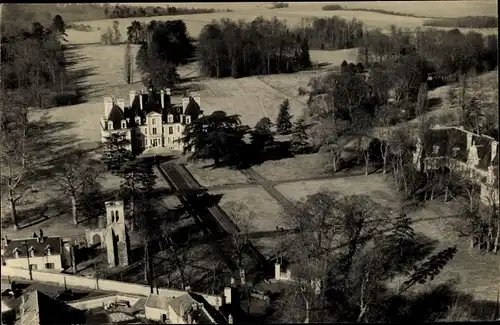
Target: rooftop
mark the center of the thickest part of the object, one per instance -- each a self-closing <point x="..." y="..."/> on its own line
<point x="39" y="309"/>
<point x="39" y="247"/>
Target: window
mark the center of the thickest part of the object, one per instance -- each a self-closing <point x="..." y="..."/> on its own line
<point x="170" y="130"/>
<point x="116" y="215"/>
<point x="112" y="216"/>
<point x="33" y="267"/>
<point x="50" y="266"/>
<point x="124" y="125"/>
<point x="154" y="130"/>
<point x="16" y="253"/>
<point x="178" y="128"/>
<point x="32" y="252"/>
<point x="153" y="121"/>
<point x="169" y="140"/>
<point x="145" y="131"/>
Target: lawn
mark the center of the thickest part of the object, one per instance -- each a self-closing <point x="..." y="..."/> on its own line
<point x="475" y="273"/>
<point x="252" y="209"/>
<point x="298" y="167"/>
<point x="208" y="176"/>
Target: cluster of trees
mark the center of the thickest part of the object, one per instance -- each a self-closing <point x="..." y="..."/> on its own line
<point x="240" y="49"/>
<point x="333" y="33"/>
<point x="220" y="137"/>
<point x="464" y="22"/>
<point x="33" y="62"/>
<point x="164" y="46"/>
<point x="126" y="11"/>
<point x="448" y="53"/>
<point x="112" y="35"/>
<point x="279" y="5"/>
<point x="344" y="259"/>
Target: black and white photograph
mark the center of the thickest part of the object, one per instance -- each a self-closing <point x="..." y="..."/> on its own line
<point x="249" y="162"/>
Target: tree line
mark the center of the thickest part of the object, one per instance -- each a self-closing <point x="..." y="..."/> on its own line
<point x="447" y="53"/>
<point x="332" y="33"/>
<point x="239" y="49"/>
<point x="34" y="63"/>
<point x="164" y="46"/>
<point x="464" y="22"/>
<point x="125" y="11"/>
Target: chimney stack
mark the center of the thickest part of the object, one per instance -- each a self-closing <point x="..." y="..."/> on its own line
<point x="162" y="97"/>
<point x="5" y="240"/>
<point x="141" y="101"/>
<point x="189" y="318"/>
<point x="131" y="97"/>
<point x="167" y="91"/>
<point x="230" y="319"/>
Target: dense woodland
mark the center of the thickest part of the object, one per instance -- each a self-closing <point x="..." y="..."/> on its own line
<point x="464" y="22"/>
<point x="166" y="45"/>
<point x="237" y="49"/>
<point x="34" y="62"/>
<point x="126" y="11"/>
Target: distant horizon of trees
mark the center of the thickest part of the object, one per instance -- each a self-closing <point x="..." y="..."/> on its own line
<point x="127" y="11"/>
<point x="240" y="49"/>
<point x="464" y="22"/>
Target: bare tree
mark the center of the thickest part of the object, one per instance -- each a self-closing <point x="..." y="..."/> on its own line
<point x="17" y="151"/>
<point x="242" y="217"/>
<point x="77" y="170"/>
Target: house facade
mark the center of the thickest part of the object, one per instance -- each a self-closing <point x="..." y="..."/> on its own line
<point x="460" y="150"/>
<point x="38" y="253"/>
<point x="150" y="120"/>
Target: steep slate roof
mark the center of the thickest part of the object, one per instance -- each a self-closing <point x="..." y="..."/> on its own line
<point x="116" y="115"/>
<point x="40" y="309"/>
<point x="54" y="242"/>
<point x="192" y="108"/>
<point x="187" y="301"/>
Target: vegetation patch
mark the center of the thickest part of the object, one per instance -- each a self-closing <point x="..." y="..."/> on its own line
<point x="464" y="22"/>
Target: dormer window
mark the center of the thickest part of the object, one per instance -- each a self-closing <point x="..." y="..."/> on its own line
<point x="170" y="118"/>
<point x="188" y="119"/>
<point x="48" y="250"/>
<point x="124" y="124"/>
<point x="455" y="151"/>
<point x="435" y="150"/>
<point x="153" y="121"/>
<point x="32" y="251"/>
<point x="110" y="125"/>
<point x="138" y="120"/>
<point x="16" y="252"/>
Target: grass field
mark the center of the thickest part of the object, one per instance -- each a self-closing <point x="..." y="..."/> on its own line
<point x="300" y="166"/>
<point x="208" y="176"/>
<point x="264" y="210"/>
<point x="296" y="11"/>
<point x="476" y="273"/>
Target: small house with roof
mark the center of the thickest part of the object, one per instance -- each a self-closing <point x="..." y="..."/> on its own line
<point x="150" y="120"/>
<point x="38" y="253"/>
<point x="188" y="308"/>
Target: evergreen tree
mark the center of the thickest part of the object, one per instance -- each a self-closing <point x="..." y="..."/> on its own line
<point x="299" y="144"/>
<point x="305" y="57"/>
<point x="262" y="137"/>
<point x="284" y="119"/>
<point x="115" y="153"/>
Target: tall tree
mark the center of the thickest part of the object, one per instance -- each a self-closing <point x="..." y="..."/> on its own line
<point x="138" y="180"/>
<point x="116" y="154"/>
<point x="262" y="138"/>
<point x="128" y="65"/>
<point x="76" y="172"/>
<point x="299" y="144"/>
<point x="217" y="136"/>
<point x="284" y="119"/>
<point x="117" y="36"/>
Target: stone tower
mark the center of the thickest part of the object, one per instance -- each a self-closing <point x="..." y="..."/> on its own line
<point x="117" y="239"/>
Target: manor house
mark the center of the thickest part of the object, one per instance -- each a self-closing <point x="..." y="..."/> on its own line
<point x="150" y="120"/>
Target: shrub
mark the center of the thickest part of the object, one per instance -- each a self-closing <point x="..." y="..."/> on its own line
<point x="332" y="7"/>
<point x="80" y="27"/>
<point x="278" y="5"/>
<point x="302" y="91"/>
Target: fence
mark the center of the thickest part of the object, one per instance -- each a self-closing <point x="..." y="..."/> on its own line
<point x="97" y="284"/>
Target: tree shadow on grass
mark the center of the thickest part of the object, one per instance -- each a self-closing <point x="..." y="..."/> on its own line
<point x="441" y="303"/>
